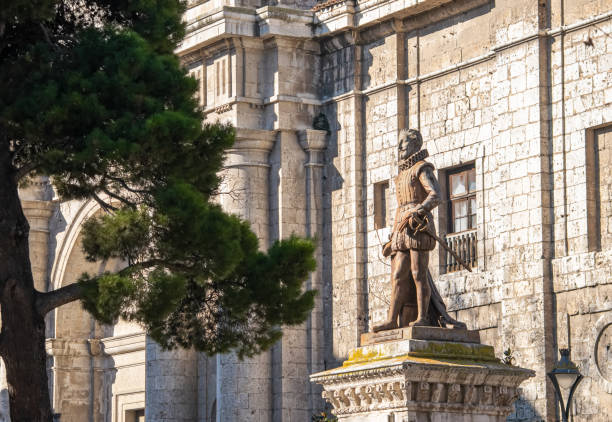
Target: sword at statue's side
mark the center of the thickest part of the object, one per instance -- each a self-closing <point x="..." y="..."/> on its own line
<point x="423" y="226"/>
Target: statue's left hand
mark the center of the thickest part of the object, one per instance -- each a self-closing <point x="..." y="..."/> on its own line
<point x="413" y="218"/>
<point x="408" y="217"/>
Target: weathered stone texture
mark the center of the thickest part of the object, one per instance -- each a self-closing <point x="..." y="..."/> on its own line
<point x="171" y="384"/>
<point x="519" y="88"/>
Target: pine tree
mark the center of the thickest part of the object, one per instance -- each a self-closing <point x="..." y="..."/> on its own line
<point x="93" y="96"/>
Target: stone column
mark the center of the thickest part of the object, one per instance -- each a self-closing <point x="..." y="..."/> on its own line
<point x="288" y="199"/>
<point x="37" y="204"/>
<point x="171" y="384"/>
<point x="314" y="143"/>
<point x="244" y="388"/>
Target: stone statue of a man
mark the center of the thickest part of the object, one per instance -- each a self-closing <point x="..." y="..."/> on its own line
<point x="415" y="300"/>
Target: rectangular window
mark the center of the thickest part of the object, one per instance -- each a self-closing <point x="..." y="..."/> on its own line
<point x="135" y="415"/>
<point x="381" y="199"/>
<point x="599" y="187"/>
<point x="461" y="217"/>
<point x="462" y="199"/>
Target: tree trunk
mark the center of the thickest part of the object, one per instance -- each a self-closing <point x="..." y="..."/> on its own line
<point x="22" y="341"/>
<point x="23" y="351"/>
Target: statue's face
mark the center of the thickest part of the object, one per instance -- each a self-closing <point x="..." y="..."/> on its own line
<point x="408" y="145"/>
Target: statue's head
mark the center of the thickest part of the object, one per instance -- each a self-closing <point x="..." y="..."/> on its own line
<point x="410" y="142"/>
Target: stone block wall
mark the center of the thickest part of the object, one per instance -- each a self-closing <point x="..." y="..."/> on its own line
<point x="581" y="113"/>
<point x="480" y="85"/>
<point x="520" y="89"/>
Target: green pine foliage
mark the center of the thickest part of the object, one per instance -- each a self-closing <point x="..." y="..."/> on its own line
<point x="93" y="95"/>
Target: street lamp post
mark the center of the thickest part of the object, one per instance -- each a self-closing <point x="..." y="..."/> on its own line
<point x="565" y="375"/>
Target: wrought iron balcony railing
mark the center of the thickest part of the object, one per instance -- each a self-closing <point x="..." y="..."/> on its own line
<point x="464" y="243"/>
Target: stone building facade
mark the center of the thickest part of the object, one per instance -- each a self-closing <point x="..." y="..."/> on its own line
<point x="514" y="101"/>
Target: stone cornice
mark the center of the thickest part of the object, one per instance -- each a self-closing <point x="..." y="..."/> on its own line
<point x="372" y="20"/>
<point x="123" y="344"/>
<point x="342" y="16"/>
<point x="221" y="23"/>
<point x="324" y="20"/>
<point x="281" y="21"/>
<point x="230" y="22"/>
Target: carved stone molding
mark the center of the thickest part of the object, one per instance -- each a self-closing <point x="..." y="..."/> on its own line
<point x="379" y="386"/>
<point x="223" y="108"/>
<point x="398" y="394"/>
<point x="600" y="338"/>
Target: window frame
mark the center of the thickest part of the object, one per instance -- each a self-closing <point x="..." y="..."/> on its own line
<point x="381" y="204"/>
<point x="468" y="196"/>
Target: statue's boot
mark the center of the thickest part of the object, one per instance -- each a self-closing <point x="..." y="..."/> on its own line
<point x="389" y="325"/>
<point x="421" y="322"/>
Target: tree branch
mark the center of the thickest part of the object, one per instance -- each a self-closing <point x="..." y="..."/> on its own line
<point x="46" y="302"/>
<point x="154" y="262"/>
<point x="124" y="184"/>
<point x="118" y="197"/>
<point x="24" y="170"/>
<point x="106" y="207"/>
<point x="47" y="38"/>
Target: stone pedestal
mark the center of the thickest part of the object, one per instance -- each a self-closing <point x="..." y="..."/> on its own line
<point x="422" y="374"/>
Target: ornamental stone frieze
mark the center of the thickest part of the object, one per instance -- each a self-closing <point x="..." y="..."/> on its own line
<point x="422" y="373"/>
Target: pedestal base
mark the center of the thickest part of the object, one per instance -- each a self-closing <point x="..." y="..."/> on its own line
<point x="414" y="380"/>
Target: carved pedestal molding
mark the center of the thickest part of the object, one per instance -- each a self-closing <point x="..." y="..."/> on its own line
<point x="416" y="380"/>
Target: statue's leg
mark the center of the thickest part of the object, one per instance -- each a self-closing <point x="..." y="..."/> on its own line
<point x="400" y="277"/>
<point x="409" y="314"/>
<point x="419" y="261"/>
<point x="409" y="311"/>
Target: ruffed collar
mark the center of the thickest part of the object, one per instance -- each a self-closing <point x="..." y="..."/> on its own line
<point x="413" y="159"/>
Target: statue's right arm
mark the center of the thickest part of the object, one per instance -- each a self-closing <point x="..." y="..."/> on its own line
<point x="432" y="188"/>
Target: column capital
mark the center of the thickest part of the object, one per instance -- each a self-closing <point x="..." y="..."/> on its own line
<point x="314" y="142"/>
<point x="251" y="148"/>
<point x="38" y="188"/>
<point x="38" y="213"/>
<point x="313" y="139"/>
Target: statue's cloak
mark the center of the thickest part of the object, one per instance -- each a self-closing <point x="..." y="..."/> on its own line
<point x="437" y="312"/>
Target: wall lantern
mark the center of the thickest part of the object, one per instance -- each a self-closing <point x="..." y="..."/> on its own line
<point x="565" y="378"/>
